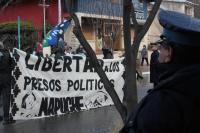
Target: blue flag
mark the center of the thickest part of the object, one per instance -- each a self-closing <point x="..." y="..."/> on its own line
<point x="56" y="33"/>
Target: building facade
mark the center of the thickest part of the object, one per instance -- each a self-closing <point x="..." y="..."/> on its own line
<point x="196" y="8"/>
<point x="101" y="22"/>
<point x="182" y="6"/>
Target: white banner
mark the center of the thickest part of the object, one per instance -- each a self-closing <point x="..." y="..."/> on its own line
<point x="51" y="86"/>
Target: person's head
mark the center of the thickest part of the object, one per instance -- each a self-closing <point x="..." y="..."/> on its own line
<point x="80" y="46"/>
<point x="46" y="55"/>
<point x="180" y="40"/>
<point x="70" y="48"/>
<point x="154" y="46"/>
<point x="144" y="46"/>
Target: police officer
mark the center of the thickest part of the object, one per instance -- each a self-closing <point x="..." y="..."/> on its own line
<point x="5" y="81"/>
<point x="173" y="106"/>
<point x="154" y="64"/>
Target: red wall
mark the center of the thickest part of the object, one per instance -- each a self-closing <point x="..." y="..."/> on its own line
<point x="30" y="11"/>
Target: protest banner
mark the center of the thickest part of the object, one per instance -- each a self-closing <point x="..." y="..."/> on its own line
<point x="44" y="87"/>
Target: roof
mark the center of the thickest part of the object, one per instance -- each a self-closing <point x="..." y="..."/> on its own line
<point x="180" y="1"/>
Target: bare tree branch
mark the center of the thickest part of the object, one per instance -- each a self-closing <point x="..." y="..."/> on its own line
<point x="146" y="26"/>
<point x="135" y="23"/>
<point x="107" y="84"/>
<point x="133" y="16"/>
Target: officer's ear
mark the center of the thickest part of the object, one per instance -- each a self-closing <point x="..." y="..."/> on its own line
<point x="165" y="55"/>
<point x="168" y="55"/>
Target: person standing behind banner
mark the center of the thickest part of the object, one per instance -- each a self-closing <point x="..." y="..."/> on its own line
<point x="38" y="50"/>
<point x="99" y="41"/>
<point x="60" y="51"/>
<point x="107" y="53"/>
<point x="144" y="54"/>
<point x="81" y="51"/>
<point x="68" y="50"/>
<point x="154" y="65"/>
<point x="5" y="82"/>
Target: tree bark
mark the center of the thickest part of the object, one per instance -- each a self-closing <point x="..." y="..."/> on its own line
<point x="107" y="84"/>
<point x="130" y="91"/>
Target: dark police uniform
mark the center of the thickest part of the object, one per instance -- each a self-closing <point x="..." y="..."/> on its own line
<point x="173" y="106"/>
<point x="5" y="82"/>
<point x="154" y="67"/>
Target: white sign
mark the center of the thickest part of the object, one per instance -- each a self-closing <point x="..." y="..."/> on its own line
<point x="51" y="86"/>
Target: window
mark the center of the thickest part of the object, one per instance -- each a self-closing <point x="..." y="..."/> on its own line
<point x="188" y="10"/>
<point x="116" y="1"/>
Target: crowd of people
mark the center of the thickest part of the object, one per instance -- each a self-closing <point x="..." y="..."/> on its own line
<point x="59" y="50"/>
<point x="63" y="49"/>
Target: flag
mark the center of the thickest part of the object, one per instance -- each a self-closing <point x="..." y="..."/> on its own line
<point x="56" y="33"/>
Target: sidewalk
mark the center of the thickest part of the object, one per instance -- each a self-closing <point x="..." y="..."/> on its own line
<point x="101" y="120"/>
<point x="117" y="54"/>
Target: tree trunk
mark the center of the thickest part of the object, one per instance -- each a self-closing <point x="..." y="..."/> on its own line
<point x="130" y="90"/>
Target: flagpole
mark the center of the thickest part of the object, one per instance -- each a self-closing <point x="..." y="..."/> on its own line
<point x="44" y="16"/>
<point x="59" y="11"/>
<point x="19" y="41"/>
<point x="44" y="12"/>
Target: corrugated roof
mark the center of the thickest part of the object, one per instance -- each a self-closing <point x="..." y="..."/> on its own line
<point x="181" y="1"/>
<point x="176" y="0"/>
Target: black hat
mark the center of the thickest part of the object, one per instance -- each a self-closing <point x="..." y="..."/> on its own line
<point x="180" y="28"/>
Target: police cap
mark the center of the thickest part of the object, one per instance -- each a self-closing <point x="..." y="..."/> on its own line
<point x="180" y="28"/>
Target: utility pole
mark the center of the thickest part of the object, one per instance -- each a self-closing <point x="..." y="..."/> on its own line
<point x="19" y="41"/>
<point x="59" y="12"/>
<point x="44" y="16"/>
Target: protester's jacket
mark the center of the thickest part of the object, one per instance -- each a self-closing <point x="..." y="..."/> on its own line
<point x="107" y="53"/>
<point x="144" y="53"/>
<point x="4" y="61"/>
<point x="172" y="107"/>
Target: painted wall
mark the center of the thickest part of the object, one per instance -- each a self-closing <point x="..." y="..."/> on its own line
<point x="30" y="11"/>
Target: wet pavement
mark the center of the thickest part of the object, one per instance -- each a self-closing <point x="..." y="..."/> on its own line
<point x="100" y="120"/>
